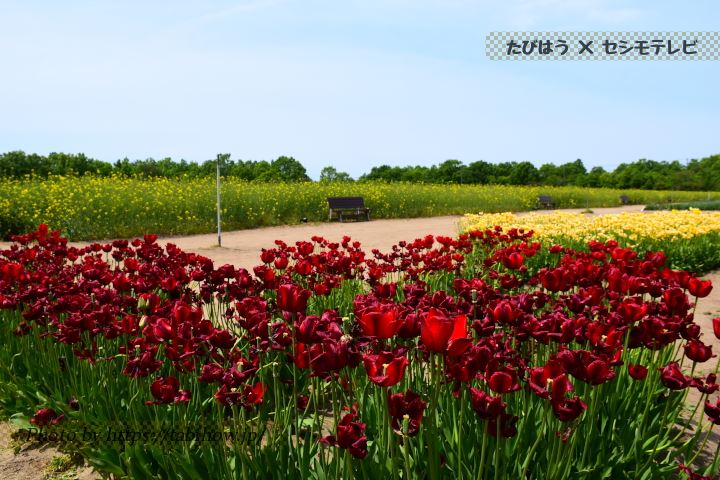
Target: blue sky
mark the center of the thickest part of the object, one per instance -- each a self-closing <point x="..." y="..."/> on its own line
<point x="352" y="84"/>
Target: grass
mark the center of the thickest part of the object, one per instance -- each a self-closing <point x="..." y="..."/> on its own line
<point x="700" y="205"/>
<point x="86" y="208"/>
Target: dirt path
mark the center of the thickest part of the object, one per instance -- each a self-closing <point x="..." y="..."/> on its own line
<point x="242" y="248"/>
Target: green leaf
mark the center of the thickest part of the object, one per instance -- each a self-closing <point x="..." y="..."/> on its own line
<point x="20" y="421"/>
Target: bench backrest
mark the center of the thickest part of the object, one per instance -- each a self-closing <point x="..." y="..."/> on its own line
<point x="545" y="199"/>
<point x="624" y="199"/>
<point x="346" y="202"/>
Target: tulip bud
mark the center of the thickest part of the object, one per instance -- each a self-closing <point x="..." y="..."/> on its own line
<point x="405" y="424"/>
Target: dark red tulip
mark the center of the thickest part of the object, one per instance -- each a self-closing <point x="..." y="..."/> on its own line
<point x="167" y="390"/>
<point x="598" y="372"/>
<point x="211" y="373"/>
<point x="406" y="410"/>
<point x="637" y="372"/>
<point x="385" y="290"/>
<point x="487" y="407"/>
<point x="386" y="368"/>
<point x="692" y="475"/>
<point x="672" y="377"/>
<point x="46" y="416"/>
<point x="697" y="351"/>
<point x="291" y="298"/>
<point x="329" y="356"/>
<point x="222" y="339"/>
<point x="505" y="313"/>
<point x="713" y="411"/>
<point x="568" y="409"/>
<point x="349" y="436"/>
<point x="676" y="300"/>
<point x="553" y="280"/>
<point x="267" y="256"/>
<point x="505" y="424"/>
<point x="503" y="382"/>
<point x="707" y="385"/>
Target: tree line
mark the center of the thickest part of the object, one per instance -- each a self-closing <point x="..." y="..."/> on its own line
<point x="696" y="174"/>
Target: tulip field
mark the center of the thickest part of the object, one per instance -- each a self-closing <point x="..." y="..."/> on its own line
<point x="497" y="354"/>
<point x="690" y="238"/>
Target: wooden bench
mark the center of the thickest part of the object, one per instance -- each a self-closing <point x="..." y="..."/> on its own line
<point x="342" y="208"/>
<point x="624" y="200"/>
<point x="545" y="201"/>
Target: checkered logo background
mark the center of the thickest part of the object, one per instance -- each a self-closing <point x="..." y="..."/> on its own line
<point x="707" y="45"/>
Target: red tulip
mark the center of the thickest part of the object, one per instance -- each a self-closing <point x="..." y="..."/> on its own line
<point x="267" y="256"/>
<point x="11" y="271"/>
<point x="699" y="288"/>
<point x="281" y="263"/>
<point x="247" y="397"/>
<point x="385" y="369"/>
<point x="291" y="298"/>
<point x="716" y="327"/>
<point x="380" y="321"/>
<point x="441" y="334"/>
<point x="513" y="261"/>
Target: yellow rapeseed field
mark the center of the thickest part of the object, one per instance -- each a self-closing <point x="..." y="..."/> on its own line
<point x="92" y="207"/>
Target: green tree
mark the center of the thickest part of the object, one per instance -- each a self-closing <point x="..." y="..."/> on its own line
<point x="330" y="174"/>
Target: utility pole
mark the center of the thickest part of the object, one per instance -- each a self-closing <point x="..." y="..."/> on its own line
<point x="220" y="158"/>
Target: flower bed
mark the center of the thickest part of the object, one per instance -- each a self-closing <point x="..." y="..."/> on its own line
<point x="442" y="358"/>
<point x="689" y="238"/>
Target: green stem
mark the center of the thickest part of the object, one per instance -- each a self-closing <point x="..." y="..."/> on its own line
<point x="497" y="450"/>
<point x="534" y="446"/>
<point x="483" y="450"/>
<point x="406" y="455"/>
